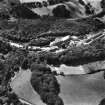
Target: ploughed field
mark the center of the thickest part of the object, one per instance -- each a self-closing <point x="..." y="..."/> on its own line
<point x="52" y="61"/>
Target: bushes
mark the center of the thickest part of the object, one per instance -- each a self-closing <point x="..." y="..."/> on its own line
<point x="61" y="11"/>
<point x="25" y="64"/>
<point x="102" y="102"/>
<point x="5" y="47"/>
<point x="103" y="4"/>
<point x="73" y="56"/>
<point x="84" y="54"/>
<point x="53" y="59"/>
<point x="52" y="99"/>
<point x="23" y="12"/>
<point x="45" y="84"/>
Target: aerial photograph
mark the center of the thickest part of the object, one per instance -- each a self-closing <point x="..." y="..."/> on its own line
<point x="52" y="52"/>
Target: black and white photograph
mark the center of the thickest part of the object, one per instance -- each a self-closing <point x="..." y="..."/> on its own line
<point x="52" y="52"/>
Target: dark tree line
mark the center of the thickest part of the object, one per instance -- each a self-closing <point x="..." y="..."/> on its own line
<point x="45" y="84"/>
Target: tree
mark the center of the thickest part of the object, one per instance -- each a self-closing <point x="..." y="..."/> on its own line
<point x="103" y="4"/>
<point x="25" y="64"/>
<point x="61" y="11"/>
<point x="102" y="102"/>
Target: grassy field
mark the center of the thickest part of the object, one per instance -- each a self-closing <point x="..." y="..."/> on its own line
<point x="82" y="90"/>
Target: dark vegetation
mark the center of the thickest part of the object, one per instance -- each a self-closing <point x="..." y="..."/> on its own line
<point x="45" y="84"/>
<point x="26" y="30"/>
<point x="73" y="56"/>
<point x="7" y="69"/>
<point x="89" y="9"/>
<point x="84" y="54"/>
<point x="41" y="32"/>
<point x="4" y="10"/>
<point x="61" y="11"/>
<point x="4" y="47"/>
<point x="23" y="12"/>
<point x="16" y="36"/>
<point x="102" y="102"/>
<point x="4" y="15"/>
<point x="43" y="80"/>
<point x="103" y="4"/>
